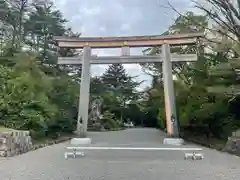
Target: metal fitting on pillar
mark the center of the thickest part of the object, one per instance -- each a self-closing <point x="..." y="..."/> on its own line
<point x="125" y="51"/>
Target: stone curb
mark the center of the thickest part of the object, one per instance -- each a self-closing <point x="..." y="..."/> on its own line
<point x="107" y="130"/>
<point x="211" y="146"/>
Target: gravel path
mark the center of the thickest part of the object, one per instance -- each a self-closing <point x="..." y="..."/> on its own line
<point x="49" y="164"/>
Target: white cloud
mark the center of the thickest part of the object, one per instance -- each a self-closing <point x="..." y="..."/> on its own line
<point x="91" y="11"/>
<point x="102" y="29"/>
<point x="125" y="27"/>
<point x="118" y="18"/>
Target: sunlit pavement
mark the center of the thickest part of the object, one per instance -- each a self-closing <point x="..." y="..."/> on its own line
<point x="49" y="164"/>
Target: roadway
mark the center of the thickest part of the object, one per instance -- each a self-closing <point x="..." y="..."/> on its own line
<point x="49" y="164"/>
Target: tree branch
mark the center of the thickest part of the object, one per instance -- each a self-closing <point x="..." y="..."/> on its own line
<point x="213" y="16"/>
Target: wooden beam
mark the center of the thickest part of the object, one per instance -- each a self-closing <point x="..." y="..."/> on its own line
<point x="130" y="41"/>
<point x="128" y="59"/>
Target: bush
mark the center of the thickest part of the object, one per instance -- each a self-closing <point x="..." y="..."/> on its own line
<point x="97" y="126"/>
<point x="108" y="121"/>
<point x="110" y="124"/>
<point x="32" y="100"/>
<point x="38" y="134"/>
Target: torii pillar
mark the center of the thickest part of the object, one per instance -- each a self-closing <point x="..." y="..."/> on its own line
<point x="170" y="104"/>
<point x="82" y="120"/>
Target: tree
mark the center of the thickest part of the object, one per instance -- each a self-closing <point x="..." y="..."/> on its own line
<point x="26" y="102"/>
<point x="224" y="14"/>
<point x="36" y="94"/>
<point x="186" y="23"/>
<point x="42" y="25"/>
<point x="152" y="104"/>
<point x="198" y="109"/>
<point x="119" y="84"/>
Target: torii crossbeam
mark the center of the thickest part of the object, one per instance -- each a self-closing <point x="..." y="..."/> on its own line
<point x="130" y="41"/>
<point x="86" y="59"/>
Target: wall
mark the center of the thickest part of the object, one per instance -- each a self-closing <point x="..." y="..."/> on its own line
<point x="14" y="143"/>
<point x="233" y="144"/>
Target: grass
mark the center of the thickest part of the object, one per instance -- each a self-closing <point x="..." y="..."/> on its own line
<point x="4" y="129"/>
<point x="40" y="140"/>
<point x="209" y="142"/>
<point x="44" y="140"/>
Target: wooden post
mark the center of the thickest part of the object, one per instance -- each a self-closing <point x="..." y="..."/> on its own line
<point x="170" y="107"/>
<point x="82" y="122"/>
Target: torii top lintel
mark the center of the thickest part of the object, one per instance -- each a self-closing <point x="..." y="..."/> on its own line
<point x="130" y="41"/>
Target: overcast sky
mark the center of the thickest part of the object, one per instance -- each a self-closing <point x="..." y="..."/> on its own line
<point x="120" y="18"/>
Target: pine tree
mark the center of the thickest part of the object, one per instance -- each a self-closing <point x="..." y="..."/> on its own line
<point x="115" y="76"/>
<point x="116" y="79"/>
<point x="119" y="83"/>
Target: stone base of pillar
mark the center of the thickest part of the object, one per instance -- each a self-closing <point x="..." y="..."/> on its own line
<point x="173" y="141"/>
<point x="80" y="141"/>
<point x="81" y="134"/>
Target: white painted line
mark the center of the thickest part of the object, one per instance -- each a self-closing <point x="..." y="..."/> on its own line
<point x="134" y="148"/>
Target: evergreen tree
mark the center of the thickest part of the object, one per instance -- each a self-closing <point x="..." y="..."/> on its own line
<point x="115" y="76"/>
<point x="117" y="80"/>
<point x="119" y="83"/>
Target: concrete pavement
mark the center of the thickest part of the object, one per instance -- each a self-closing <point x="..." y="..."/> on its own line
<point x="49" y="164"/>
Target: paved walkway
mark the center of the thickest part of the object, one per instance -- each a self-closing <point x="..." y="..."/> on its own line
<point x="49" y="164"/>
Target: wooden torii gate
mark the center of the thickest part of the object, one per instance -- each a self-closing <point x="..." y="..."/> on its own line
<point x="86" y="59"/>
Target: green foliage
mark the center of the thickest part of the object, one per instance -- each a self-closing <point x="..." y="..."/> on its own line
<point x="206" y="91"/>
<point x="119" y="90"/>
<point x="34" y="101"/>
<point x="36" y="95"/>
<point x="108" y="121"/>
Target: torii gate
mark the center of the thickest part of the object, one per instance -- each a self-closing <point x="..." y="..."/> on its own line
<point x="86" y="59"/>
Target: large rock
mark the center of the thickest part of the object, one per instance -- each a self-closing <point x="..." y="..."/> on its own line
<point x="233" y="145"/>
<point x="14" y="143"/>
